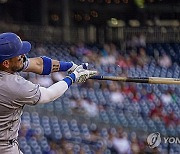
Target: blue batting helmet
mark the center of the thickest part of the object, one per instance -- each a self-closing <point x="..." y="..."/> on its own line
<point x="12" y="46"/>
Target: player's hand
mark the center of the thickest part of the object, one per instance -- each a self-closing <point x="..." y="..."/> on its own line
<point x="85" y="65"/>
<point x="74" y="66"/>
<point x="82" y="74"/>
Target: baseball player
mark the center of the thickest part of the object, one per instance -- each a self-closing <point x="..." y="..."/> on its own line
<point x="15" y="91"/>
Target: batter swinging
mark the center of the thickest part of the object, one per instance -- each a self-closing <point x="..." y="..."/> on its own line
<point x="15" y="91"/>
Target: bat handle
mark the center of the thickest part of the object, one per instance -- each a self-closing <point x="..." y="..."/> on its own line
<point x="96" y="77"/>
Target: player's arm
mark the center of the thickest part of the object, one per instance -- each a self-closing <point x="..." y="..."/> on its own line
<point x="26" y="92"/>
<point x="57" y="89"/>
<point x="45" y="65"/>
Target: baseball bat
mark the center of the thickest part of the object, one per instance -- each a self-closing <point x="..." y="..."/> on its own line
<point x="150" y="80"/>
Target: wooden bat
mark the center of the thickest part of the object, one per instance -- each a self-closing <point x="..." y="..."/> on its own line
<point x="150" y="80"/>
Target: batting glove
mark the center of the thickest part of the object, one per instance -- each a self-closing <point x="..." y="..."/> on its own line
<point x="82" y="74"/>
<point x="73" y="67"/>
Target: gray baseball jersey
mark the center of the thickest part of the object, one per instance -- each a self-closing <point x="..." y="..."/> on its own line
<point x="15" y="92"/>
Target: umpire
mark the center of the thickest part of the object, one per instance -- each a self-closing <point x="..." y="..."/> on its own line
<point x="15" y="91"/>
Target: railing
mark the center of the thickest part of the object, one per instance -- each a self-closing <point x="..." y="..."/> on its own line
<point x="92" y="34"/>
<point x="155" y="34"/>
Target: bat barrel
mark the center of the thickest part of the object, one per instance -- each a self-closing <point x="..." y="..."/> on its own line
<point x="158" y="80"/>
<point x="151" y="80"/>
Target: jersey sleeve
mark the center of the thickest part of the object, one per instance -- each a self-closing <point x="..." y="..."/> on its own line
<point x="27" y="92"/>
